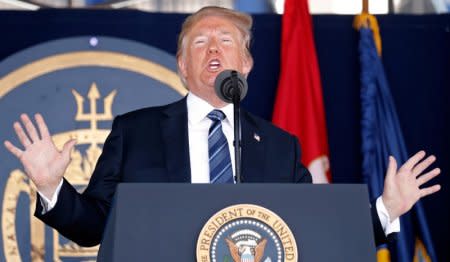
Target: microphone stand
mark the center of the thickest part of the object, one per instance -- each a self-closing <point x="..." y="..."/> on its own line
<point x="237" y="125"/>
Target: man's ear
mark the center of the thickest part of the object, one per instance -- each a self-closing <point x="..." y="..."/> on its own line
<point x="247" y="65"/>
<point x="182" y="66"/>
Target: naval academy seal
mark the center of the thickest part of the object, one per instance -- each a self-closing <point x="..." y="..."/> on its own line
<point x="246" y="233"/>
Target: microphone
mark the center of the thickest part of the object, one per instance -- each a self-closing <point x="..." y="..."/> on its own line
<point x="231" y="87"/>
<point x="227" y="83"/>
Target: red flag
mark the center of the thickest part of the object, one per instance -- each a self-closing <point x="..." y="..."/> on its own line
<point x="299" y="105"/>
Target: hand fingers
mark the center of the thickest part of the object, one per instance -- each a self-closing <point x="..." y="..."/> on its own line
<point x="392" y="168"/>
<point x="23" y="138"/>
<point x="14" y="150"/>
<point x="30" y="127"/>
<point x="42" y="126"/>
<point x="413" y="160"/>
<point x="419" y="168"/>
<point x="428" y="176"/>
<point x="68" y="147"/>
<point x="429" y="190"/>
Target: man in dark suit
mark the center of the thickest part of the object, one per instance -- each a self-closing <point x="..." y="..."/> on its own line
<point x="181" y="142"/>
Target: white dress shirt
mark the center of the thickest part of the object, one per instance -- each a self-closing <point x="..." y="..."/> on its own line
<point x="198" y="127"/>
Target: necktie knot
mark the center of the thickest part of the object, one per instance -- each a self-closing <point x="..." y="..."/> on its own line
<point x="216" y="115"/>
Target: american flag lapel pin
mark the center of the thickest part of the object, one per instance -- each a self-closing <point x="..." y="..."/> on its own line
<point x="256" y="137"/>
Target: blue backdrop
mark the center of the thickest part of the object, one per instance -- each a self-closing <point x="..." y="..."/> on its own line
<point x="416" y="56"/>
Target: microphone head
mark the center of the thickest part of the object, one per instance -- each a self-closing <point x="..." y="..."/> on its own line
<point x="224" y="85"/>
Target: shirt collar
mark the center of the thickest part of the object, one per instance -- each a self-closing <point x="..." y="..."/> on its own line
<point x="198" y="109"/>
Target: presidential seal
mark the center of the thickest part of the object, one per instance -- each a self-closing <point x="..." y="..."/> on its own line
<point x="246" y="233"/>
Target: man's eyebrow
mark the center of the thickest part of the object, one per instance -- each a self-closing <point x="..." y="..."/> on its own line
<point x="198" y="35"/>
<point x="221" y="31"/>
<point x="224" y="32"/>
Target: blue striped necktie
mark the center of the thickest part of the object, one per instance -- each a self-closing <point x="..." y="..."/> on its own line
<point x="220" y="169"/>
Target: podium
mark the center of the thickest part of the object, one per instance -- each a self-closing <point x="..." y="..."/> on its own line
<point x="164" y="222"/>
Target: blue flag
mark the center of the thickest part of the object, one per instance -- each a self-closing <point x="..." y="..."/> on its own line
<point x="381" y="136"/>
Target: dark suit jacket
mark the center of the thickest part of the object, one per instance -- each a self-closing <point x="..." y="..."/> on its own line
<point x="151" y="145"/>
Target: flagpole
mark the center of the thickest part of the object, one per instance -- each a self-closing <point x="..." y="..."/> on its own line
<point x="365" y="6"/>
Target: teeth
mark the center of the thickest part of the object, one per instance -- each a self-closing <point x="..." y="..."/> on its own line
<point x="214" y="64"/>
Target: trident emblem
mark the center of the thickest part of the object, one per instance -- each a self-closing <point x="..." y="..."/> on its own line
<point x="93" y="116"/>
<point x="92" y="136"/>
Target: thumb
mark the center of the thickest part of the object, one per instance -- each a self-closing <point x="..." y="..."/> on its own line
<point x="391" y="169"/>
<point x="67" y="148"/>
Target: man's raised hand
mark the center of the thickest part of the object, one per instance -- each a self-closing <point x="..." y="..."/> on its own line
<point x="44" y="164"/>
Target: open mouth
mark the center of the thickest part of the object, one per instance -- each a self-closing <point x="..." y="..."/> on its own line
<point x="214" y="65"/>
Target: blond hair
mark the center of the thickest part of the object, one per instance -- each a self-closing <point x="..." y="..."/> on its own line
<point x="242" y="21"/>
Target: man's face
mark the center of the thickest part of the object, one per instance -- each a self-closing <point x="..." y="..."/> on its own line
<point x="211" y="46"/>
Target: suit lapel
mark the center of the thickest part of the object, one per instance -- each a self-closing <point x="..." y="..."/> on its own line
<point x="176" y="145"/>
<point x="253" y="144"/>
<point x="176" y="142"/>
